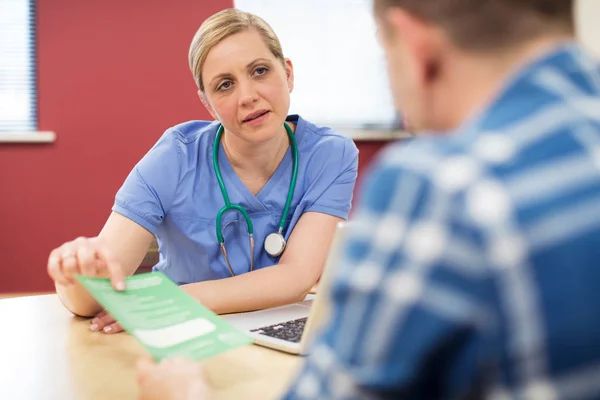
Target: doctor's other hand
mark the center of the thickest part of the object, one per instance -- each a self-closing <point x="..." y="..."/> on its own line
<point x="84" y="256"/>
<point x="106" y="323"/>
<point x="171" y="379"/>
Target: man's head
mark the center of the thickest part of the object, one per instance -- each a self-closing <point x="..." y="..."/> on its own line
<point x="427" y="41"/>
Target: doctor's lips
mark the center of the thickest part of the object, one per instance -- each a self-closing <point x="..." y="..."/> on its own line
<point x="255" y="115"/>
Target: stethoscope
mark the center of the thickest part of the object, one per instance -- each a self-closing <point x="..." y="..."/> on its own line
<point x="275" y="242"/>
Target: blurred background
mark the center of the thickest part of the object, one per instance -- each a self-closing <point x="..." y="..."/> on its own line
<point x="108" y="77"/>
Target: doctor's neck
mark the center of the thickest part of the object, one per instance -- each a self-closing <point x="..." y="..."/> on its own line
<point x="256" y="160"/>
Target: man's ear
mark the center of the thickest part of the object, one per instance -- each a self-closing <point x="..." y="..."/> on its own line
<point x="207" y="105"/>
<point x="419" y="38"/>
<point x="289" y="73"/>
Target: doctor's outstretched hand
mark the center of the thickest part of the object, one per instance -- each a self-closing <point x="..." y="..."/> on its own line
<point x="85" y="256"/>
<point x="171" y="379"/>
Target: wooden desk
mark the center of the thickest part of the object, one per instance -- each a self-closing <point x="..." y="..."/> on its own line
<point x="46" y="353"/>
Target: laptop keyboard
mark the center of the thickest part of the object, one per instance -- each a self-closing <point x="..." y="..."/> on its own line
<point x="290" y="330"/>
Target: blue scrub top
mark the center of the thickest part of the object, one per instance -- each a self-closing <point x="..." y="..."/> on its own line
<point x="173" y="193"/>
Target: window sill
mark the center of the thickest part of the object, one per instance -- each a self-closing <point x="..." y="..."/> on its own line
<point x="27" y="137"/>
<point x="50" y="137"/>
<point x="377" y="135"/>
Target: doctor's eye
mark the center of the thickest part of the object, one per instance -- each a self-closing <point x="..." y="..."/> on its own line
<point x="224" y="86"/>
<point x="261" y="71"/>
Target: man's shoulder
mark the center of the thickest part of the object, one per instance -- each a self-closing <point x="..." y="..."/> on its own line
<point x="422" y="156"/>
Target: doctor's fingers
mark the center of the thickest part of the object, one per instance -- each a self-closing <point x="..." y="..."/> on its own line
<point x="115" y="327"/>
<point x="63" y="264"/>
<point x="85" y="256"/>
<point x="100" y="321"/>
<point x="92" y="258"/>
<point x="105" y="322"/>
<point x="87" y="261"/>
<point x="78" y="257"/>
<point x="55" y="267"/>
<point x="110" y="263"/>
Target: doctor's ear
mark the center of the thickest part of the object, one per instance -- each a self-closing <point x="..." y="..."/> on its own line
<point x="206" y="104"/>
<point x="289" y="73"/>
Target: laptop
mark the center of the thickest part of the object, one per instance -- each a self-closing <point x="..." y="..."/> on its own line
<point x="291" y="328"/>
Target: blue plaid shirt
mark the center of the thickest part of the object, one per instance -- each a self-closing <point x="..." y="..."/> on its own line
<point x="476" y="270"/>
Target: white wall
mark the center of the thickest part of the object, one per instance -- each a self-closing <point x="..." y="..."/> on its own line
<point x="587" y="13"/>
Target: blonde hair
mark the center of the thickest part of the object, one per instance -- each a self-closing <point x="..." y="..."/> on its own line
<point x="222" y="25"/>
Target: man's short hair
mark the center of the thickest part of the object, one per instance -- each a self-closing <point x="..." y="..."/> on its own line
<point x="487" y="25"/>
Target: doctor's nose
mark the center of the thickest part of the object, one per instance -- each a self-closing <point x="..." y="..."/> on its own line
<point x="248" y="95"/>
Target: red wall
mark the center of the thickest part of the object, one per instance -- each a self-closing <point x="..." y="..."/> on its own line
<point x="112" y="76"/>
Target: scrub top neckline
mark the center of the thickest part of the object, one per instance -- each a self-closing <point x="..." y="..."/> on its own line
<point x="282" y="172"/>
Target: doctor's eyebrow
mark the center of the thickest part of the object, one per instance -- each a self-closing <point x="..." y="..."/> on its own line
<point x="249" y="66"/>
<point x="257" y="61"/>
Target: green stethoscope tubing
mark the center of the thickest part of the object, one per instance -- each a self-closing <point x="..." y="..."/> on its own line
<point x="228" y="206"/>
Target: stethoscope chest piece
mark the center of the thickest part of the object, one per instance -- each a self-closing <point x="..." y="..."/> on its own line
<point x="275" y="244"/>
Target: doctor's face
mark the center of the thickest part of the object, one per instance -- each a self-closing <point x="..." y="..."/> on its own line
<point x="246" y="87"/>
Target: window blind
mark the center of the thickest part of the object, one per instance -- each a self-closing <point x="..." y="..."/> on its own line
<point x="18" y="94"/>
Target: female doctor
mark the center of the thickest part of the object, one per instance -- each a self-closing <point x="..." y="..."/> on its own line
<point x="244" y="208"/>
